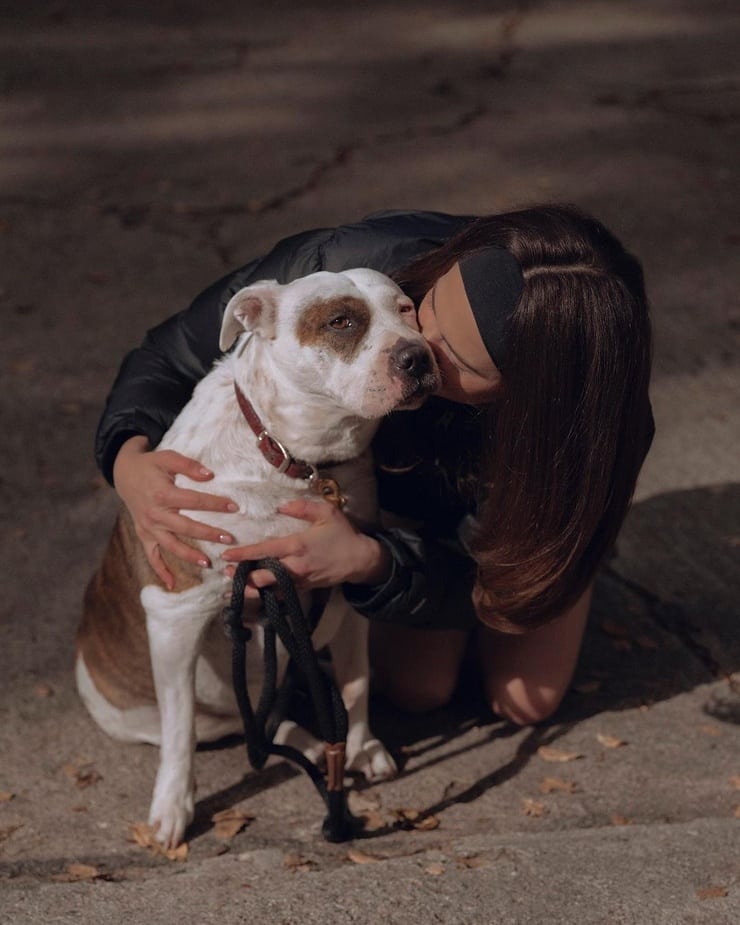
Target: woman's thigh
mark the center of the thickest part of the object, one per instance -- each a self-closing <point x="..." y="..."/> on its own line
<point x="417" y="669"/>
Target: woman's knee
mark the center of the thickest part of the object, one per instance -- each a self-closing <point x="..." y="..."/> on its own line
<point x="521" y="703"/>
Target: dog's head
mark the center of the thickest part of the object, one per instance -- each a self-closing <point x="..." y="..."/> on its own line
<point x="349" y="336"/>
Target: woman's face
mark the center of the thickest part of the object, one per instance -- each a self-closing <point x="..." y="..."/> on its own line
<point x="446" y="320"/>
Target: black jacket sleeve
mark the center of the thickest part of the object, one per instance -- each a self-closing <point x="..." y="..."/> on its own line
<point x="430" y="584"/>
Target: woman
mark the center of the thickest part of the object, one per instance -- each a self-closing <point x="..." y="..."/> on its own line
<point x="516" y="476"/>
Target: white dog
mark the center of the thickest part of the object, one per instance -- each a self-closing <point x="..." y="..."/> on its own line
<point x="318" y="362"/>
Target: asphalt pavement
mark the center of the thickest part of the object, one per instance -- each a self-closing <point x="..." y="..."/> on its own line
<point x="145" y="150"/>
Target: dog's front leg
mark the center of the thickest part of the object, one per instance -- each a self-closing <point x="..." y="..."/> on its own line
<point x="349" y="654"/>
<point x="176" y="623"/>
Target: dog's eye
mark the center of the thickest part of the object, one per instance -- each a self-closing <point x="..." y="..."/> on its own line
<point x="340" y="323"/>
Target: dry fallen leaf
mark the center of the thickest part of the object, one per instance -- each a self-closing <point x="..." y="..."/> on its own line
<point x="6" y="796"/>
<point x="297" y="862"/>
<point x="360" y="857"/>
<point x="587" y="687"/>
<point x="42" y="689"/>
<point x="736" y="811"/>
<point x="712" y="892"/>
<point x="534" y="808"/>
<point x="735" y="781"/>
<point x="145" y="837"/>
<point x="230" y="821"/>
<point x="368" y="809"/>
<point x="414" y="819"/>
<point x="405" y="815"/>
<point x="710" y="730"/>
<point x="427" y="824"/>
<point x="472" y="861"/>
<point x="84" y="775"/>
<point x="551" y="784"/>
<point x="434" y="869"/>
<point x="555" y="754"/>
<point x="74" y="873"/>
<point x="617" y="819"/>
<point x="610" y="741"/>
<point x="372" y="820"/>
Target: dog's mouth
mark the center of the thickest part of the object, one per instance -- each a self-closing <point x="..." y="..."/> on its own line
<point x="417" y="389"/>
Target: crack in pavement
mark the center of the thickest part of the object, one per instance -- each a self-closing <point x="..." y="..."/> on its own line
<point x="138" y="214"/>
<point x="343" y="153"/>
<point x="698" y="99"/>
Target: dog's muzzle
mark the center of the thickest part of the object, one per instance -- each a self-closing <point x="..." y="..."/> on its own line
<point x="413" y="363"/>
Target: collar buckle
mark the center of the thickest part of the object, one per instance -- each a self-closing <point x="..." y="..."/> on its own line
<point x="274" y="444"/>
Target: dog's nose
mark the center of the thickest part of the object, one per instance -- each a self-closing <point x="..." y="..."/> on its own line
<point x="411" y="358"/>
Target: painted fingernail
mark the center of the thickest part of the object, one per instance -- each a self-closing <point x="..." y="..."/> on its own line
<point x="204" y="563"/>
<point x="225" y="538"/>
<point x="232" y="507"/>
<point x="204" y="471"/>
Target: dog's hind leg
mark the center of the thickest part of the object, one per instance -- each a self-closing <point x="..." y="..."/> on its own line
<point x="176" y="623"/>
<point x="349" y="656"/>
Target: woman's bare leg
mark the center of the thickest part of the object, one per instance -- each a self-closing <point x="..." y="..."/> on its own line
<point x="526" y="676"/>
<point x="416" y="669"/>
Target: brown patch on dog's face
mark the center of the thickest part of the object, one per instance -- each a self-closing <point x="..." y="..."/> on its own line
<point x="338" y="325"/>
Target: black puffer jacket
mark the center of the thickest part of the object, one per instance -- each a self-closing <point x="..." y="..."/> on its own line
<point x="432" y="577"/>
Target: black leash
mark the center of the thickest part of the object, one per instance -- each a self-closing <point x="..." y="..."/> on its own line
<point x="284" y="618"/>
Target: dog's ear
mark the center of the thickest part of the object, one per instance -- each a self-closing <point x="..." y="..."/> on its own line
<point x="251" y="309"/>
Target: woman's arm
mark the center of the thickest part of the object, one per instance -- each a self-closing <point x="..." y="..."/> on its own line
<point x="398" y="576"/>
<point x="526" y="676"/>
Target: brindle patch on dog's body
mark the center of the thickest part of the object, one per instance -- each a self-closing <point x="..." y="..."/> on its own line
<point x="314" y="326"/>
<point x="112" y="637"/>
<point x="113" y="631"/>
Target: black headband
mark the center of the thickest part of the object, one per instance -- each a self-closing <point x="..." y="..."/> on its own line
<point x="493" y="284"/>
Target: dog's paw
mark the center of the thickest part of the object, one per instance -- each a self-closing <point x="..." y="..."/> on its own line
<point x="290" y="733"/>
<point x="372" y="760"/>
<point x="169" y="818"/>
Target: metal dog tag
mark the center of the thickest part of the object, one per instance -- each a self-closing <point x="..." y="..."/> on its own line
<point x="329" y="490"/>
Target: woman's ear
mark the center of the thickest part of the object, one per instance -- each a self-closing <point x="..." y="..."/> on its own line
<point x="251" y="309"/>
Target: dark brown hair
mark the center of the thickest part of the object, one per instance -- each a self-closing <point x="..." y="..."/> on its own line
<point x="567" y="432"/>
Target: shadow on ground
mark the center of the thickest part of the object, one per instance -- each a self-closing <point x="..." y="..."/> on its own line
<point x="664" y="630"/>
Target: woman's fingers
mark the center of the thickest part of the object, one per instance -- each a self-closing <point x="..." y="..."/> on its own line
<point x="177" y="464"/>
<point x="173" y="522"/>
<point x="187" y="499"/>
<point x="312" y="511"/>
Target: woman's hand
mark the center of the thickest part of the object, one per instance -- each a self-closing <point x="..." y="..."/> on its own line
<point x="145" y="482"/>
<point x="332" y="550"/>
